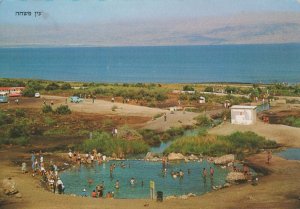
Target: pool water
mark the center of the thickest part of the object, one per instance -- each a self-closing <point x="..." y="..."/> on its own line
<point x="76" y="179"/>
<point x="290" y="154"/>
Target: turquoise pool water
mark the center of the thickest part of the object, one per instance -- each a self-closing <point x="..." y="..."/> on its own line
<point x="290" y="154"/>
<point x="76" y="179"/>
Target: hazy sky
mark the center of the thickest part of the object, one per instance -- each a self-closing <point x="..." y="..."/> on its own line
<point x="82" y="11"/>
<point x="149" y="22"/>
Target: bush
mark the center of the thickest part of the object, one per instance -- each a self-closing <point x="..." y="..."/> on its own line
<point x="47" y="109"/>
<point x="52" y="86"/>
<point x="203" y="120"/>
<point x="18" y="130"/>
<point x="20" y="113"/>
<point x="108" y="145"/>
<point x="127" y="133"/>
<point x="161" y="96"/>
<point x="175" y="131"/>
<point x="150" y="137"/>
<point x="16" y="141"/>
<point x="63" y="110"/>
<point x="35" y="85"/>
<point x="188" y="88"/>
<point x="28" y="92"/>
<point x="292" y="121"/>
<point x="236" y="143"/>
<point x="65" y="86"/>
<point x="5" y="118"/>
<point x="209" y="89"/>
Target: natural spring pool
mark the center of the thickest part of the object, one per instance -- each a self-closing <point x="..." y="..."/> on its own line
<point x="76" y="178"/>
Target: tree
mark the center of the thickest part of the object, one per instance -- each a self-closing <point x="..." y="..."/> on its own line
<point x="52" y="86"/>
<point x="66" y="86"/>
<point x="188" y="88"/>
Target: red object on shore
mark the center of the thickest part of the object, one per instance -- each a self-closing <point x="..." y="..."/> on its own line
<point x="12" y="91"/>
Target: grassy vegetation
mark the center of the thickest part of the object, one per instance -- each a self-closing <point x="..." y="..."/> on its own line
<point x="109" y="145"/>
<point x="237" y="143"/>
<point x="292" y="121"/>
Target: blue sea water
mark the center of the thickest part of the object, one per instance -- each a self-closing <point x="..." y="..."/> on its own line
<point x="171" y="64"/>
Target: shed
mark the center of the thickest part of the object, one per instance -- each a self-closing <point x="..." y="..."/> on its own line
<point x="243" y="115"/>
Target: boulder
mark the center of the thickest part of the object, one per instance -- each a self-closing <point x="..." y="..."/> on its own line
<point x="9" y="186"/>
<point x="183" y="197"/>
<point x="176" y="156"/>
<point x="18" y="195"/>
<point x="170" y="197"/>
<point x="225" y="159"/>
<point x="235" y="176"/>
<point x="226" y="185"/>
<point x="149" y="156"/>
<point x="193" y="157"/>
<point x="191" y="195"/>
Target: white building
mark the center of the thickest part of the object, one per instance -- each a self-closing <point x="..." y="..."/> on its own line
<point x="202" y="100"/>
<point x="243" y="115"/>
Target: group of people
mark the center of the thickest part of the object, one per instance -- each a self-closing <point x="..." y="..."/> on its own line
<point x="86" y="158"/>
<point x="50" y="176"/>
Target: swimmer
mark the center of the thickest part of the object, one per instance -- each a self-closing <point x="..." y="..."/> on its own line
<point x="117" y="185"/>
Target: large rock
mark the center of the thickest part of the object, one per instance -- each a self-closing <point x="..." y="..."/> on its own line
<point x="235" y="176"/>
<point x="193" y="157"/>
<point x="9" y="186"/>
<point x="224" y="159"/>
<point x="149" y="156"/>
<point x="176" y="156"/>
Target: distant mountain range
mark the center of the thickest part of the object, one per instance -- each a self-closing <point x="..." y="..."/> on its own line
<point x="239" y="29"/>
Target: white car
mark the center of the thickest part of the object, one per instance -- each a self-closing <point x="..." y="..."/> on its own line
<point x="37" y="95"/>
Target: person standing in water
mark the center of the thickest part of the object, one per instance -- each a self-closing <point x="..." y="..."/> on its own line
<point x="212" y="171"/>
<point x="117" y="185"/>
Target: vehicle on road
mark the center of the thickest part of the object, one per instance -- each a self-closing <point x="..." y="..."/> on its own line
<point x="76" y="99"/>
<point x="37" y="95"/>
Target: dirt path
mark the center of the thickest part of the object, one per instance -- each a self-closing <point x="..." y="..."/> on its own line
<point x="289" y="136"/>
<point x="104" y="107"/>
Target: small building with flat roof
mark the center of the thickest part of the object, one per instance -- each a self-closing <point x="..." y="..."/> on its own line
<point x="243" y="115"/>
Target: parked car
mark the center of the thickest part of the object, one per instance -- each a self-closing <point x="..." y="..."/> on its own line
<point x="37" y="95"/>
<point x="76" y="99"/>
<point x="3" y="99"/>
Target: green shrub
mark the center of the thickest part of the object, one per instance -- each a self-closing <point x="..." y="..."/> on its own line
<point x="292" y="121"/>
<point x="203" y="120"/>
<point x="5" y="118"/>
<point x="209" y="89"/>
<point x="18" y="130"/>
<point x="237" y="143"/>
<point x="28" y="92"/>
<point x="188" y="88"/>
<point x="49" y="121"/>
<point x="63" y="110"/>
<point x="52" y="86"/>
<point x="175" y="131"/>
<point x="20" y="113"/>
<point x="35" y="85"/>
<point x="47" y="109"/>
<point x="108" y="145"/>
<point x="23" y="141"/>
<point x="161" y="96"/>
<point x="129" y="134"/>
<point x="150" y="136"/>
<point x="65" y="86"/>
